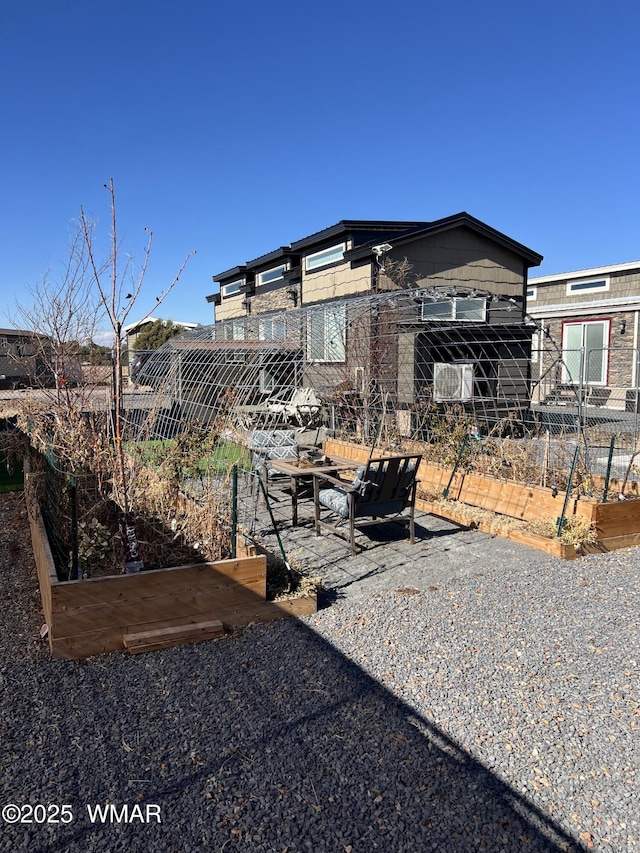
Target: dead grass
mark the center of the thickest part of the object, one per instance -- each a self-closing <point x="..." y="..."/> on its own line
<point x="576" y="531"/>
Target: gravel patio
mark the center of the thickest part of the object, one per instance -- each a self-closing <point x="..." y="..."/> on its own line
<point x="472" y="695"/>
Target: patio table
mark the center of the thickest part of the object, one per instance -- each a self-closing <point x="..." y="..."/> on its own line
<point x="298" y="472"/>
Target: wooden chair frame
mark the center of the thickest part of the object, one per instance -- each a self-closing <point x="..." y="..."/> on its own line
<point x="384" y="488"/>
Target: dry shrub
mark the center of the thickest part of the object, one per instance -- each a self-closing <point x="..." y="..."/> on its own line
<point x="292" y="581"/>
<point x="181" y="506"/>
<point x="428" y="492"/>
<point x="576" y="531"/>
<point x="508" y="459"/>
<point x="471" y="516"/>
<point x="188" y="502"/>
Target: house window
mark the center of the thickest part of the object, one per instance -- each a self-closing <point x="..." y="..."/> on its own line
<point x="532" y="294"/>
<point x="574" y="287"/>
<point x="271" y="275"/>
<point x="456" y="308"/>
<point x="536" y="343"/>
<point x="584" y="352"/>
<point x="234" y="330"/>
<point x="327" y="256"/>
<point x="272" y="328"/>
<point x="233" y="288"/>
<point x="267" y="380"/>
<point x="326" y="329"/>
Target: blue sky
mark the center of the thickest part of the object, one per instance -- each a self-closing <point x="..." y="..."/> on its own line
<point x="231" y="129"/>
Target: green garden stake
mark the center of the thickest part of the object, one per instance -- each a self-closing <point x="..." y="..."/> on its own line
<point x="234" y="510"/>
<point x="73" y="500"/>
<point x="562" y="520"/>
<point x="463" y="446"/>
<point x="608" y="474"/>
<point x="265" y="495"/>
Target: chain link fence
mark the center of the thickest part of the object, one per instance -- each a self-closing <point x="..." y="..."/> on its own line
<point x="400" y="368"/>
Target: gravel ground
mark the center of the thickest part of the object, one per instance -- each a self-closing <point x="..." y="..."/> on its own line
<point x="494" y="713"/>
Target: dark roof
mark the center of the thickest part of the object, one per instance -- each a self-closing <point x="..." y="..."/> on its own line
<point x="371" y="231"/>
<point x="250" y="266"/>
<point x="456" y="221"/>
<point x="234" y="272"/>
<point x="348" y="226"/>
<point x="276" y="255"/>
<point x="345" y="226"/>
<point x="22" y="332"/>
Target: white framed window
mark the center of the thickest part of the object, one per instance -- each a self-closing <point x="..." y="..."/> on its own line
<point x="584" y="352"/>
<point x="327" y="256"/>
<point x="532" y="294"/>
<point x="588" y="286"/>
<point x="272" y="328"/>
<point x="455" y="308"/>
<point x="326" y="332"/>
<point x="233" y="288"/>
<point x="234" y="330"/>
<point x="274" y="274"/>
<point x="267" y="380"/>
<point x="536" y="342"/>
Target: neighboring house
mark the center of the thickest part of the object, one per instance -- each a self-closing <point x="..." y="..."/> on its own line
<point x="18" y="353"/>
<point x="133" y="330"/>
<point x="458" y="262"/>
<point x="344" y="261"/>
<point x="590" y="328"/>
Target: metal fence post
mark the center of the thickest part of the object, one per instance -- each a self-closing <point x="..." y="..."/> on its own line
<point x="73" y="498"/>
<point x="234" y="510"/>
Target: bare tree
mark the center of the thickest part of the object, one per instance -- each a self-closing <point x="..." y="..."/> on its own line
<point x="61" y="314"/>
<point x="67" y="312"/>
<point x="119" y="287"/>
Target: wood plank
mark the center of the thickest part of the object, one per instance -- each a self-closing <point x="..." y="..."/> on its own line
<point x="550" y="546"/>
<point x="613" y="543"/>
<point x="116" y="589"/>
<point x="163" y="638"/>
<point x="335" y="447"/>
<point x="540" y="543"/>
<point x="132" y="611"/>
<point x="248" y="570"/>
<point x="617" y="519"/>
<point x="110" y="640"/>
<point x="632" y="487"/>
<point x="44" y="559"/>
<point x="84" y="595"/>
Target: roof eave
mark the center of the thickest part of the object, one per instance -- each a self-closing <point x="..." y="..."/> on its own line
<point x="456" y="221"/>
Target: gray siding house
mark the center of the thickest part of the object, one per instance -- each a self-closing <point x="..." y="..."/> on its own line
<point x="465" y="274"/>
<point x="590" y="332"/>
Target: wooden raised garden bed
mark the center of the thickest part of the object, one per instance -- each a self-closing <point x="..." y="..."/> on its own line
<point x="153" y="609"/>
<point x="617" y="524"/>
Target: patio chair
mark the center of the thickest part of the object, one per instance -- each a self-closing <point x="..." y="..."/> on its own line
<point x="302" y="408"/>
<point x="382" y="490"/>
<point x="269" y="444"/>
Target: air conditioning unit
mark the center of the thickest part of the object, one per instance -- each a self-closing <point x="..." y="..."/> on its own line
<point x="452" y="382"/>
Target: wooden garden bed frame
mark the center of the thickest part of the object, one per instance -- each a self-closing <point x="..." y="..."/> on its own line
<point x="617" y="524"/>
<point x="153" y="609"/>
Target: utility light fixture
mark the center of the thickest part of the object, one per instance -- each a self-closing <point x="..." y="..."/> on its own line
<point x="381" y="249"/>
